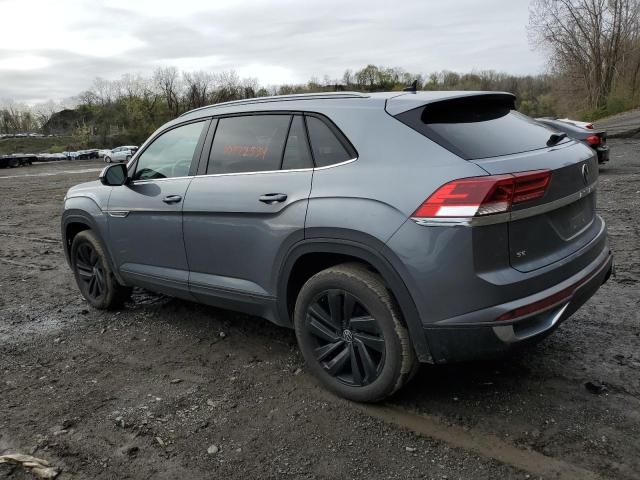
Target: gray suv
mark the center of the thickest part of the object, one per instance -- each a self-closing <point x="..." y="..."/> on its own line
<point x="387" y="229"/>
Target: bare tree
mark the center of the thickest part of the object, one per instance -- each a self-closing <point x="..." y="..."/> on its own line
<point x="167" y="81"/>
<point x="347" y="78"/>
<point x="587" y="39"/>
<point x="197" y="88"/>
<point x="44" y="111"/>
<point x="105" y="91"/>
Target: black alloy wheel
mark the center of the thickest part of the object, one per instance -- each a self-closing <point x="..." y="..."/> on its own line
<point x="90" y="271"/>
<point x="349" y="343"/>
<point x="93" y="273"/>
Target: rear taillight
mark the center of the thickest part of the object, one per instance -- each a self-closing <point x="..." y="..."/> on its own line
<point x="593" y="140"/>
<point x="589" y="126"/>
<point x="477" y="196"/>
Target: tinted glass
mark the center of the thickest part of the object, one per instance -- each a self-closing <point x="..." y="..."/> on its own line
<point x="327" y="149"/>
<point x="248" y="144"/>
<point x="296" y="152"/>
<point x="478" y="128"/>
<point x="170" y="155"/>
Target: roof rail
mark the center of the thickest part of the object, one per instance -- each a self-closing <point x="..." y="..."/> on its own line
<point x="282" y="98"/>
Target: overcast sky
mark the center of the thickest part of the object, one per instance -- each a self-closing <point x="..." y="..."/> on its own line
<point x="53" y="49"/>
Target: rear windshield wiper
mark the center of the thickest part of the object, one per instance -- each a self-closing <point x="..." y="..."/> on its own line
<point x="555" y="138"/>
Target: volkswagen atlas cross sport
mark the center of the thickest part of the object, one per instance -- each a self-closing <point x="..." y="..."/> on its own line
<point x="387" y="229"/>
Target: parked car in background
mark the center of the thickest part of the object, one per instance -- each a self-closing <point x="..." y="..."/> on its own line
<point x="51" y="157"/>
<point x="439" y="226"/>
<point x="577" y="123"/>
<point x="121" y="154"/>
<point x="87" y="154"/>
<point x="104" y="152"/>
<point x="596" y="139"/>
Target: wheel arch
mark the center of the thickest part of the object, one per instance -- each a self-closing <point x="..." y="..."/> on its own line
<point x="313" y="255"/>
<point x="76" y="221"/>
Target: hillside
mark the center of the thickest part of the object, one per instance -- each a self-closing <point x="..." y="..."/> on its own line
<point x="626" y="124"/>
<point x="36" y="145"/>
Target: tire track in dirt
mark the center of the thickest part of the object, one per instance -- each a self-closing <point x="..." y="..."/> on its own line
<point x="485" y="444"/>
<point x="27" y="265"/>
<point x="31" y="239"/>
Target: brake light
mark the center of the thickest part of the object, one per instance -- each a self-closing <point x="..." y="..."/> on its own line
<point x="477" y="196"/>
<point x="593" y="140"/>
<point x="589" y="126"/>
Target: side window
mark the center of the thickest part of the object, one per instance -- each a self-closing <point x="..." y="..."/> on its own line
<point x="296" y="153"/>
<point x="170" y="155"/>
<point x="327" y="149"/>
<point x="252" y="143"/>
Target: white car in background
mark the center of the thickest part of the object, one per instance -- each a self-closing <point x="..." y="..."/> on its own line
<point x="577" y="123"/>
<point x="104" y="153"/>
<point x="121" y="154"/>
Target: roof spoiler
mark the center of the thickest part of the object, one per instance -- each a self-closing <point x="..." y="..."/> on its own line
<point x="405" y="101"/>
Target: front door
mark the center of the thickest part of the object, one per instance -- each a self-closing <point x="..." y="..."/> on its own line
<point x="247" y="208"/>
<point x="145" y="216"/>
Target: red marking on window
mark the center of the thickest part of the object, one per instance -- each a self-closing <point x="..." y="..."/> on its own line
<point x="256" y="151"/>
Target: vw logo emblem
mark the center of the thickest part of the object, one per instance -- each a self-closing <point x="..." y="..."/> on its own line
<point x="348" y="336"/>
<point x="586" y="173"/>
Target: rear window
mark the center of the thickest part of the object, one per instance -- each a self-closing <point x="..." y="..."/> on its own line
<point x="478" y="127"/>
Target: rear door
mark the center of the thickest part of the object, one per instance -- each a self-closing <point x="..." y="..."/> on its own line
<point x="487" y="131"/>
<point x="247" y="207"/>
<point x="117" y="154"/>
<point x="145" y="216"/>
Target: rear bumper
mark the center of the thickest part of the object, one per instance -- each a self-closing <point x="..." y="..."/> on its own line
<point x="458" y="340"/>
<point x="603" y="154"/>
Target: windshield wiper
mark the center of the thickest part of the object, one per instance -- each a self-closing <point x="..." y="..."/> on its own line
<point x="555" y="138"/>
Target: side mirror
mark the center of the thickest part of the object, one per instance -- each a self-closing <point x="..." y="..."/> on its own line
<point x="114" y="175"/>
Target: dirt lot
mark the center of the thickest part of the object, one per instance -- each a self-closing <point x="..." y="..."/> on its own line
<point x="146" y="391"/>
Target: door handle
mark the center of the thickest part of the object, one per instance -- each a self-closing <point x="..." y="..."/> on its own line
<point x="172" y="199"/>
<point x="271" y="198"/>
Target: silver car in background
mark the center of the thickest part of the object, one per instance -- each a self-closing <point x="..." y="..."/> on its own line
<point x="121" y="154"/>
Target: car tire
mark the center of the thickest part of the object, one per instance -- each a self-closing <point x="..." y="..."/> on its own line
<point x="351" y="334"/>
<point x="107" y="159"/>
<point x="93" y="273"/>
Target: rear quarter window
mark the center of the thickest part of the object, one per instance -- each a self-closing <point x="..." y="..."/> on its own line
<point x="478" y="127"/>
<point x="327" y="143"/>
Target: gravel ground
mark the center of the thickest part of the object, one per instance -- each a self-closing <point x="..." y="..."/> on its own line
<point x="622" y="125"/>
<point x="167" y="389"/>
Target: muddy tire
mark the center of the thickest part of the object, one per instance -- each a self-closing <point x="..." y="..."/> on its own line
<point x="351" y="334"/>
<point x="93" y="273"/>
